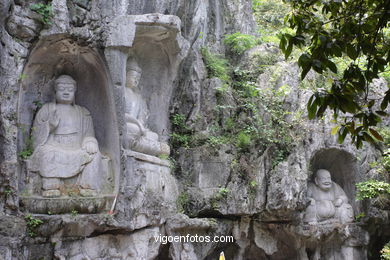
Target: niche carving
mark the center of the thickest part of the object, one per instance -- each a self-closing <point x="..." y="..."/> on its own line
<point x="68" y="135"/>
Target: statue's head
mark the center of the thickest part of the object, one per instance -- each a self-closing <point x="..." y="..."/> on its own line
<point x="133" y="74"/>
<point x="65" y="87"/>
<point x="323" y="179"/>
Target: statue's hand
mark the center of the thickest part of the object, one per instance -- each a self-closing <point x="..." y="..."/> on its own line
<point x="90" y="146"/>
<point x="54" y="120"/>
<point x="142" y="130"/>
<point x="338" y="202"/>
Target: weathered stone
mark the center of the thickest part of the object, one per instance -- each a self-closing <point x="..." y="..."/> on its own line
<point x="139" y="245"/>
<point x="65" y="205"/>
<point x="5" y="253"/>
<point x="152" y="189"/>
<point x="258" y="200"/>
<point x="23" y="24"/>
<point x="11" y="227"/>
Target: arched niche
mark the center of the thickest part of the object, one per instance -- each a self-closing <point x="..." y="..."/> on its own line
<point x="58" y="55"/>
<point x="342" y="167"/>
<point x="154" y="48"/>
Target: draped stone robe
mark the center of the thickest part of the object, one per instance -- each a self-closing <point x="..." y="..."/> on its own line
<point x="324" y="207"/>
<point x="59" y="154"/>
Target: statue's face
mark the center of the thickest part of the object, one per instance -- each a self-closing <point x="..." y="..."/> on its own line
<point x="323" y="180"/>
<point x="133" y="78"/>
<point x="65" y="93"/>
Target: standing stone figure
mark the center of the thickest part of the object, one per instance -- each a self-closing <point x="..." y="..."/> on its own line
<point x="65" y="148"/>
<point x="139" y="138"/>
<point x="328" y="201"/>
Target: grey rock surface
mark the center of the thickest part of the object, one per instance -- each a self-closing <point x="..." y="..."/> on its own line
<point x="209" y="186"/>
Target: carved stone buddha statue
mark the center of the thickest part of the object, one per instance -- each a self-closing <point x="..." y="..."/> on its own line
<point x="65" y="148"/>
<point x="138" y="138"/>
<point x="328" y="201"/>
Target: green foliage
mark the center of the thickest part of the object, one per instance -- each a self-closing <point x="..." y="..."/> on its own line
<point x="45" y="10"/>
<point x="386" y="160"/>
<point x="38" y="104"/>
<point x="253" y="185"/>
<point x="74" y="213"/>
<point x="260" y="119"/>
<point x="385" y="133"/>
<point x="216" y="141"/>
<point x="180" y="140"/>
<point x="28" y="147"/>
<point x="269" y="15"/>
<point x="243" y="140"/>
<point x="25" y="153"/>
<point x="352" y="30"/>
<point x="32" y="224"/>
<point x="239" y="42"/>
<point x="266" y="121"/>
<point x="359" y="216"/>
<point x="385" y="252"/>
<point x="221" y="194"/>
<point x="372" y="189"/>
<point x="216" y="66"/>
<point x="182" y="202"/>
<point x="279" y="156"/>
<point x="179" y="120"/>
<point x="182" y="134"/>
<point x="163" y="156"/>
<point x="8" y="192"/>
<point x="382" y="164"/>
<point x="22" y="77"/>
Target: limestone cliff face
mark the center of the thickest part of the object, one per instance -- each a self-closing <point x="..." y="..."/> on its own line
<point x="211" y="185"/>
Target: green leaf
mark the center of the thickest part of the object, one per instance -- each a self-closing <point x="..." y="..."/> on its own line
<point x="304" y="60"/>
<point x="305" y="70"/>
<point x="376" y="134"/>
<point x="312" y="107"/>
<point x="342" y="134"/>
<point x="332" y="66"/>
<point x="385" y="100"/>
<point x="381" y="113"/>
<point x="288" y="50"/>
<point x="335" y="129"/>
<point x="351" y="52"/>
<point x="368" y="138"/>
<point x="359" y="142"/>
<point x="336" y="50"/>
<point x="283" y="42"/>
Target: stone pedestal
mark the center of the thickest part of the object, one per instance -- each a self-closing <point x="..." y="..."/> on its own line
<point x="151" y="188"/>
<point x="333" y="240"/>
<point x="152" y="173"/>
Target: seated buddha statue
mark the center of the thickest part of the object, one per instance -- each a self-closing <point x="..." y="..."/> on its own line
<point x="138" y="138"/>
<point x="327" y="201"/>
<point x="65" y="146"/>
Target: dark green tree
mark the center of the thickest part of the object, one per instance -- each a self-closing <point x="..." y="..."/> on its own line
<point x="357" y="32"/>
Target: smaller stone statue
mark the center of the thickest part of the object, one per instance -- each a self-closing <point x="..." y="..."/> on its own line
<point x="66" y="152"/>
<point x="138" y="138"/>
<point x="328" y="201"/>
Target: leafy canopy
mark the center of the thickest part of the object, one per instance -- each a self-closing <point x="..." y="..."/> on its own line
<point x="355" y="31"/>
